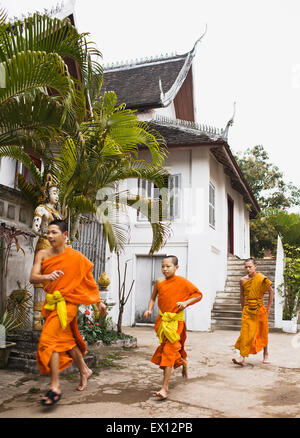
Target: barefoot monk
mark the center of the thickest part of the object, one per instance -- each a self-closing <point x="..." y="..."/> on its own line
<point x="254" y="331"/>
<point x="174" y="294"/>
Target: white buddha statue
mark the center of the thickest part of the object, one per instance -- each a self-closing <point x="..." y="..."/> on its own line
<point x="43" y="215"/>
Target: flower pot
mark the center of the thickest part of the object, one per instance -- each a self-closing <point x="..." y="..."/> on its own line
<point x="4" y="353"/>
<point x="290" y="325"/>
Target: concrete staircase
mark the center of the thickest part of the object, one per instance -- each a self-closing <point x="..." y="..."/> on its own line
<point x="226" y="312"/>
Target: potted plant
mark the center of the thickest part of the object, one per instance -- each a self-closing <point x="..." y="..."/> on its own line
<point x="290" y="289"/>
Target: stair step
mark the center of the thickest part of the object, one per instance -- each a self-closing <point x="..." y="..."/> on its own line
<point x="221" y="302"/>
<point x="259" y="262"/>
<point x="226" y="327"/>
<point x="233" y="320"/>
<point x="217" y="315"/>
<point x="236" y="328"/>
<point x="231" y="295"/>
<point x="226" y="321"/>
<point x="227" y="306"/>
<point x="238" y="274"/>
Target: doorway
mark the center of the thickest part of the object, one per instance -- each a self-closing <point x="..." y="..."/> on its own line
<point x="148" y="269"/>
<point x="230" y="209"/>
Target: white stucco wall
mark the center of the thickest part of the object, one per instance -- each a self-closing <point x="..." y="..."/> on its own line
<point x="7" y="172"/>
<point x="278" y="299"/>
<point x="202" y="250"/>
<point x="132" y="251"/>
<point x="19" y="263"/>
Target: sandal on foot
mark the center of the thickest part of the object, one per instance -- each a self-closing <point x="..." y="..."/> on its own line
<point x="51" y="395"/>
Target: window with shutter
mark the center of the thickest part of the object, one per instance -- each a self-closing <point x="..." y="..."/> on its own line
<point x="212" y="205"/>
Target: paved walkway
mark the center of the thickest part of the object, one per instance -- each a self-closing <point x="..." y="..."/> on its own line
<point x="122" y="387"/>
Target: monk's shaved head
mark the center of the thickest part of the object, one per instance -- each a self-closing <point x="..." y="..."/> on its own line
<point x="251" y="260"/>
<point x="62" y="225"/>
<point x="173" y="258"/>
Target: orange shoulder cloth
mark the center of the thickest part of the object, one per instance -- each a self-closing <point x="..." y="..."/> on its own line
<point x="77" y="285"/>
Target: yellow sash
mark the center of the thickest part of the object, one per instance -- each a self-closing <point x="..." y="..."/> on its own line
<point x="169" y="325"/>
<point x="56" y="300"/>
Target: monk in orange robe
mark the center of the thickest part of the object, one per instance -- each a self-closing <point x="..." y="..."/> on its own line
<point x="254" y="331"/>
<point x="68" y="281"/>
<point x="174" y="294"/>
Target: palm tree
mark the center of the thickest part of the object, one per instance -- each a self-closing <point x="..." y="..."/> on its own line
<point x="40" y="98"/>
<point x="88" y="172"/>
<point x="43" y="106"/>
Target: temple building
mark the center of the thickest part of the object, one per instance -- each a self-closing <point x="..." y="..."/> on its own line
<point x="211" y="200"/>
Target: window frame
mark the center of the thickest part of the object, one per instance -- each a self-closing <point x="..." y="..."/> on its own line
<point x="212" y="206"/>
<point x="149" y="188"/>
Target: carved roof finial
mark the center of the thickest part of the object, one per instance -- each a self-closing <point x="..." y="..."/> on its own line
<point x="229" y="123"/>
<point x="198" y="40"/>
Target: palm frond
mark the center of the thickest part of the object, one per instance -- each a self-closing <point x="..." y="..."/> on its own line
<point x="52" y="35"/>
<point x="30" y="192"/>
<point x="64" y="169"/>
<point x="124" y="132"/>
<point x="140" y="170"/>
<point x="16" y="153"/>
<point x="3" y="25"/>
<point x="82" y="204"/>
<point x="116" y="233"/>
<point x="150" y="208"/>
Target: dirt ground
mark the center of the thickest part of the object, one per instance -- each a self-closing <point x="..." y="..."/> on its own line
<point x="123" y="384"/>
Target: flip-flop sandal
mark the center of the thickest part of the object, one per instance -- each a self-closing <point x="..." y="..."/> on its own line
<point x="51" y="396"/>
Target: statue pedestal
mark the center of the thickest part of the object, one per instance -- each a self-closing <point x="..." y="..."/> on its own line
<point x="105" y="296"/>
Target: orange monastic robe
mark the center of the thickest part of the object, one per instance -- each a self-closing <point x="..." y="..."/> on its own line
<point x="77" y="286"/>
<point x="254" y="331"/>
<point x="171" y="291"/>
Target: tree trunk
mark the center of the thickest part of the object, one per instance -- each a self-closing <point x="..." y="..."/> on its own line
<point x="2" y="278"/>
<point x="119" y="325"/>
<point x="2" y="291"/>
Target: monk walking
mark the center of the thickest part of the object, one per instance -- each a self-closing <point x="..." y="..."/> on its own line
<point x="67" y="278"/>
<point x="254" y="331"/>
<point x="174" y="294"/>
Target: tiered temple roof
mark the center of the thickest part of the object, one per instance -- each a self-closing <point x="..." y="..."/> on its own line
<point x="180" y="134"/>
<point x="148" y="83"/>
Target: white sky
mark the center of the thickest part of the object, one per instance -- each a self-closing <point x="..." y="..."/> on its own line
<point x="250" y="54"/>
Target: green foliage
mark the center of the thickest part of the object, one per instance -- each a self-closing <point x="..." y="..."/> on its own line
<point x="16" y="314"/>
<point x="290" y="290"/>
<point x="266" y="181"/>
<point x="90" y="330"/>
<point x="9" y="322"/>
<point x="105" y="156"/>
<point x="271" y="191"/>
<point x="287" y="225"/>
<point x="263" y="236"/>
<point x="43" y="106"/>
<point x="32" y="56"/>
<point x="95" y="328"/>
<point x="108" y="360"/>
<point x="19" y="305"/>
